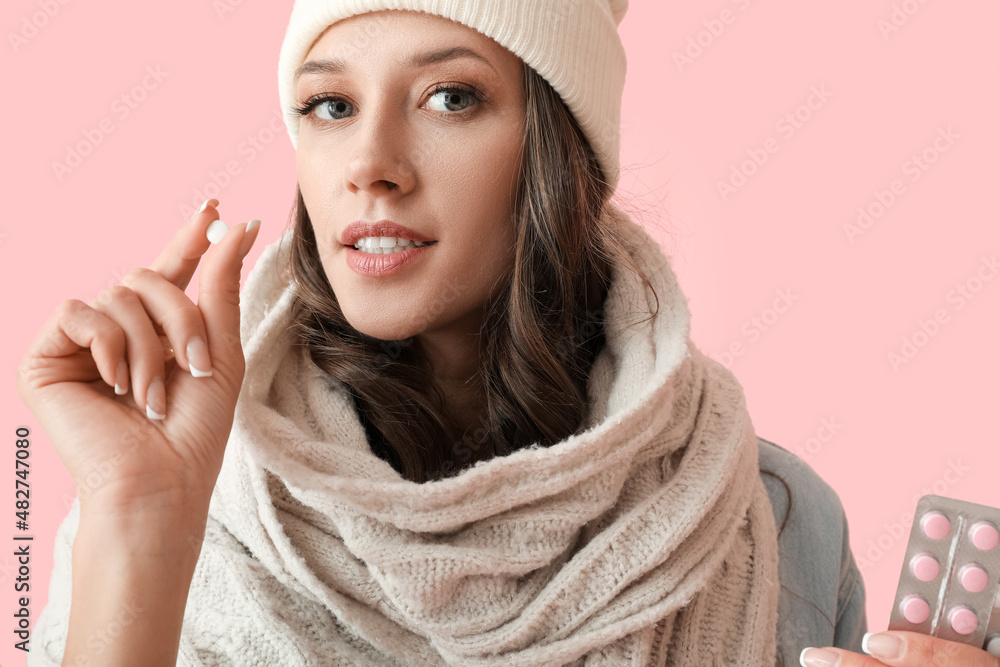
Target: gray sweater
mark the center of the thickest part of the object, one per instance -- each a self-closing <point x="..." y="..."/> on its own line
<point x="822" y="599"/>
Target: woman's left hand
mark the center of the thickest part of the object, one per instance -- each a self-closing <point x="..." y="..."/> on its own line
<point x="901" y="649"/>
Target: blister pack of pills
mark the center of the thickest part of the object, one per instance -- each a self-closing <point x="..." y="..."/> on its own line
<point x="949" y="586"/>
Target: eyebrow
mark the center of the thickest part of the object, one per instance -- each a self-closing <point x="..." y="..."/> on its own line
<point x="338" y="66"/>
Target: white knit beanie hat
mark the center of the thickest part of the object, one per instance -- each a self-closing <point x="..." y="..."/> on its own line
<point x="572" y="44"/>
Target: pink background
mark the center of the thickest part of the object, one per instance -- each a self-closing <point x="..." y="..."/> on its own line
<point x="804" y="310"/>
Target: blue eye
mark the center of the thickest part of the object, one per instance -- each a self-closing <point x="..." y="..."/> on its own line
<point x="455" y="92"/>
<point x="336" y="105"/>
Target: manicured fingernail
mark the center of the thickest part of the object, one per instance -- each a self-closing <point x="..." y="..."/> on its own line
<point x="197" y="354"/>
<point x="993" y="647"/>
<point x="882" y="645"/>
<point x="156" y="399"/>
<point x="208" y="202"/>
<point x="247" y="242"/>
<point x="217" y="230"/>
<point x="121" y="378"/>
<point x="817" y="657"/>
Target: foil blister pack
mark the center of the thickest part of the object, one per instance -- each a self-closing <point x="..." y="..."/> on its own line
<point x="949" y="586"/>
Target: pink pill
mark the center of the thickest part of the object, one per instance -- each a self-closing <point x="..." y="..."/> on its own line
<point x="925" y="567"/>
<point x="973" y="578"/>
<point x="963" y="620"/>
<point x="984" y="535"/>
<point x="935" y="525"/>
<point x="915" y="609"/>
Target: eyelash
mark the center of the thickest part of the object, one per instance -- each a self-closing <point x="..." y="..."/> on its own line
<point x="474" y="95"/>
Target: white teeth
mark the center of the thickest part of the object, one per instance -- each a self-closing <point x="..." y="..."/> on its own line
<point x="385" y="245"/>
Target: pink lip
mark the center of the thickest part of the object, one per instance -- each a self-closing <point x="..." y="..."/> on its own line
<point x="374" y="266"/>
<point x="361" y="228"/>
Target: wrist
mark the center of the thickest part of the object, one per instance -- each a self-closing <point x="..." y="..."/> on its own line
<point x="163" y="499"/>
<point x="163" y="528"/>
<point x="133" y="565"/>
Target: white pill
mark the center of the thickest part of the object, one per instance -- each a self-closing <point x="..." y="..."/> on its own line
<point x="217" y="230"/>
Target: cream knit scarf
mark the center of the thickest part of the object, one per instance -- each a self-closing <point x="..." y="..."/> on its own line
<point x="647" y="539"/>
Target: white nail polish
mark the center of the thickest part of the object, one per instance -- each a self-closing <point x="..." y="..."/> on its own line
<point x="204" y="206"/>
<point x="251" y="225"/>
<point x="152" y="414"/>
<point x="217" y="230"/>
<point x="802" y="657"/>
<point x="197" y="373"/>
<point x="119" y="390"/>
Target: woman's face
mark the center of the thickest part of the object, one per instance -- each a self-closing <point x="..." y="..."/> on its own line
<point x="419" y="132"/>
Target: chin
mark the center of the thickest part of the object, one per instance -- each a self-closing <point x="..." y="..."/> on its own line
<point x="378" y="327"/>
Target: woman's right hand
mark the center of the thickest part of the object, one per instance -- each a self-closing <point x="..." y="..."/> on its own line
<point x="160" y="443"/>
<point x="897" y="648"/>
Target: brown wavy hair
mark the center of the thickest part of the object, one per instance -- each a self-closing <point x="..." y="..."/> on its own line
<point x="542" y="330"/>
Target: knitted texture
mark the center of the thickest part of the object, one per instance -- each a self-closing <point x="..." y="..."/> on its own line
<point x="572" y="44"/>
<point x="646" y="539"/>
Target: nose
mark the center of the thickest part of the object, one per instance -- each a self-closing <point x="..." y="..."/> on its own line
<point x="377" y="162"/>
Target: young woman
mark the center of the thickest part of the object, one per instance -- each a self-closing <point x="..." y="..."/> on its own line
<point x="455" y="416"/>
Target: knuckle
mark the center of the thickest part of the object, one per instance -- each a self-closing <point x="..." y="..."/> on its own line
<point x="120" y="292"/>
<point x="69" y="308"/>
<point x="29" y="370"/>
<point x="184" y="319"/>
<point x="136" y="275"/>
<point x="76" y="316"/>
<point x="110" y="335"/>
<point x="115" y="293"/>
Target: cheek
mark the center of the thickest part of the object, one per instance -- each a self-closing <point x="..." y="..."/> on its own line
<point x="480" y="167"/>
<point x="308" y="168"/>
<point x="317" y="174"/>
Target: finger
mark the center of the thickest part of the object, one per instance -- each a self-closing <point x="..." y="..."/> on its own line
<point x="172" y="311"/>
<point x="178" y="261"/>
<point x="914" y="648"/>
<point x="143" y="348"/>
<point x="824" y="657"/>
<point x="219" y="298"/>
<point x="74" y="332"/>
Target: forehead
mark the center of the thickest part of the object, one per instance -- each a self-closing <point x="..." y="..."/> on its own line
<point x="399" y="35"/>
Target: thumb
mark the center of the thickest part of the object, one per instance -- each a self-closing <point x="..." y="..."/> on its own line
<point x="913" y="648"/>
<point x="219" y="299"/>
